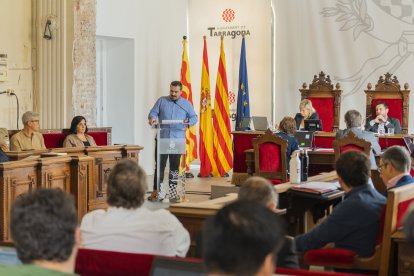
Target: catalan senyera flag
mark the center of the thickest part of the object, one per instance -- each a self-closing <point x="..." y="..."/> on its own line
<point x="223" y="152"/>
<point x="190" y="134"/>
<point x="243" y="105"/>
<point x="207" y="163"/>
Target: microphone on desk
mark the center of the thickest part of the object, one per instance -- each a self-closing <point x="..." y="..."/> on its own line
<point x="187" y="115"/>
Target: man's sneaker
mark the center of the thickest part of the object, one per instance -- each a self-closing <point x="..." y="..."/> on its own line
<point x="175" y="200"/>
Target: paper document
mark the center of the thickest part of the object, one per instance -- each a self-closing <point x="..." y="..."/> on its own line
<point x="317" y="187"/>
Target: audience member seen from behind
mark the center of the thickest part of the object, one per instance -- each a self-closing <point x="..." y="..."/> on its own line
<point x="307" y="112"/>
<point x="4" y="144"/>
<point x="394" y="167"/>
<point x="287" y="128"/>
<point x="259" y="190"/>
<point x="353" y="223"/>
<point x="126" y="225"/>
<point x="28" y="138"/>
<point x="243" y="238"/>
<point x="382" y="120"/>
<point x="45" y="233"/>
<point x="78" y="136"/>
<point x="353" y="122"/>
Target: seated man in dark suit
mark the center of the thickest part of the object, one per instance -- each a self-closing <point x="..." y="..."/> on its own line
<point x="382" y="119"/>
<point x="243" y="238"/>
<point x="353" y="122"/>
<point x="394" y="167"/>
<point x="259" y="190"/>
<point x="353" y="223"/>
<point x="287" y="128"/>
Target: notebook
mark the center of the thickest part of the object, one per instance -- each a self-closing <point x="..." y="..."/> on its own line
<point x="176" y="267"/>
<point x="409" y="143"/>
<point x="317" y="187"/>
<point x="305" y="138"/>
<point x="260" y="123"/>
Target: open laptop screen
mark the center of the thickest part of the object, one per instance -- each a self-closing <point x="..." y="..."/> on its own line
<point x="260" y="123"/>
<point x="304" y="138"/>
<point x="164" y="266"/>
<point x="313" y="125"/>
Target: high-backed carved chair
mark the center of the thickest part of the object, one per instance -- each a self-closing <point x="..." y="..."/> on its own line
<point x="388" y="90"/>
<point x="350" y="142"/>
<point x="270" y="157"/>
<point x="397" y="206"/>
<point x="325" y="99"/>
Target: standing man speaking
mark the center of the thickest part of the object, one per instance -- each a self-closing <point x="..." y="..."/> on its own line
<point x="171" y="107"/>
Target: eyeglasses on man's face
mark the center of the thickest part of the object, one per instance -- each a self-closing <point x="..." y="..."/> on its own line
<point x="381" y="166"/>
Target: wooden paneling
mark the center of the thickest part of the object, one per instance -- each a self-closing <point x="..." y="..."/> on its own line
<point x="83" y="172"/>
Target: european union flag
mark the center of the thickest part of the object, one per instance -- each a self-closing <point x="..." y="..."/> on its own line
<point x="243" y="105"/>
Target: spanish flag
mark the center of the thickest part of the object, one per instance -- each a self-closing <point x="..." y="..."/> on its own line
<point x="206" y="124"/>
<point x="190" y="134"/>
<point x="223" y="153"/>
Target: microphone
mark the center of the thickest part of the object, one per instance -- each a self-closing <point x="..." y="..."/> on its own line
<point x="187" y="115"/>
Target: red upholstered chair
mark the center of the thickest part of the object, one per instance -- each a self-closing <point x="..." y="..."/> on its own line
<point x="98" y="262"/>
<point x="325" y="99"/>
<point x="397" y="205"/>
<point x="350" y="142"/>
<point x="270" y="157"/>
<point x="388" y="90"/>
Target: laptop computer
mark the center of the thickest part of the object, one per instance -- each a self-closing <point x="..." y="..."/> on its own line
<point x="313" y="125"/>
<point x="260" y="123"/>
<point x="176" y="267"/>
<point x="245" y="123"/>
<point x="409" y="144"/>
<point x="305" y="138"/>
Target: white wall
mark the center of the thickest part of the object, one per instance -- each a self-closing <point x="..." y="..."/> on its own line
<point x="119" y="88"/>
<point x="157" y="28"/>
<point x="15" y="33"/>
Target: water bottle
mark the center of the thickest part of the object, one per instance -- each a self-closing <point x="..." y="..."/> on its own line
<point x="295" y="170"/>
<point x="381" y="129"/>
<point x="304" y="161"/>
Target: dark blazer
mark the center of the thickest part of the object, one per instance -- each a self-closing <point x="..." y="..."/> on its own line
<point x="353" y="223"/>
<point x="291" y="147"/>
<point x="299" y="117"/>
<point x="391" y="122"/>
<point x="287" y="257"/>
<point x="406" y="179"/>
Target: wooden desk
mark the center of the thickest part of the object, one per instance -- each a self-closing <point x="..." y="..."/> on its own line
<point x="404" y="252"/>
<point x="83" y="172"/>
<point x="105" y="157"/>
<point x="192" y="215"/>
<point x="242" y="140"/>
<point x="69" y="174"/>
